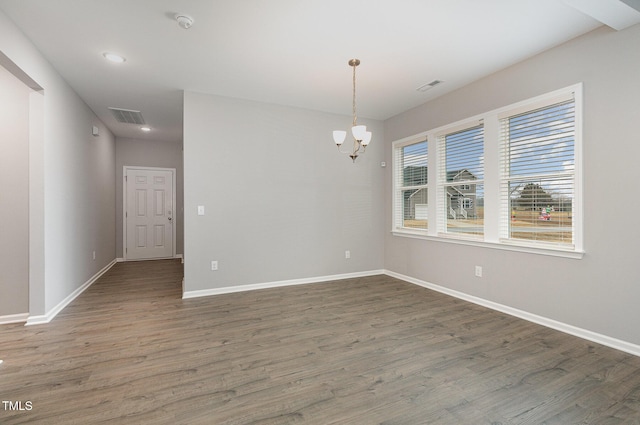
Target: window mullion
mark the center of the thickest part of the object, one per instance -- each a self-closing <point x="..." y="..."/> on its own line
<point x="492" y="207"/>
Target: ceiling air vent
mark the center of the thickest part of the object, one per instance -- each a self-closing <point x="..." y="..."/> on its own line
<point x="430" y="85"/>
<point x="127" y="116"/>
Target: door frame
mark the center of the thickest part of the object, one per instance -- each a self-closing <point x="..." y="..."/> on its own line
<point x="124" y="208"/>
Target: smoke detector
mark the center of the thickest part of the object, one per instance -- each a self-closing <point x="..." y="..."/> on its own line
<point x="184" y="21"/>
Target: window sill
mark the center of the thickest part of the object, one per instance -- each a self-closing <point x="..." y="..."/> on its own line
<point x="510" y="246"/>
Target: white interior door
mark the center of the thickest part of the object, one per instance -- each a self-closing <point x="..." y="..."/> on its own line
<point x="149" y="213"/>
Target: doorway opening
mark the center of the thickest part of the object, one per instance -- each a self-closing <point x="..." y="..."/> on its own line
<point x="22" y="200"/>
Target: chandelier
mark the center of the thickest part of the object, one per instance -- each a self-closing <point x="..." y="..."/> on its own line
<point x="361" y="137"/>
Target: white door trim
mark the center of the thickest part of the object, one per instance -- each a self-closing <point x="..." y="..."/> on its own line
<point x="124" y="205"/>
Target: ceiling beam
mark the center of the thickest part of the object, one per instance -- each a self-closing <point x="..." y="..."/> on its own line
<point x="617" y="14"/>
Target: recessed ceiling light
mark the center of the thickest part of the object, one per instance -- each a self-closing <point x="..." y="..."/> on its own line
<point x="145" y="129"/>
<point x="113" y="57"/>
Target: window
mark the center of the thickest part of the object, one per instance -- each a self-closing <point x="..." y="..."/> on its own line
<point x="460" y="180"/>
<point x="412" y="190"/>
<point x="509" y="178"/>
<point x="538" y="156"/>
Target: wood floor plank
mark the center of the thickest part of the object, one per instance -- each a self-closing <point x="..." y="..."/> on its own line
<point x="371" y="350"/>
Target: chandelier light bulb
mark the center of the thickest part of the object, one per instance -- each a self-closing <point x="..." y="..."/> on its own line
<point x="358" y="131"/>
<point x="339" y="136"/>
<point x="366" y="139"/>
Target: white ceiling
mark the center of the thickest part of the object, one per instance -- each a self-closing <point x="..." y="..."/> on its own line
<point x="290" y="52"/>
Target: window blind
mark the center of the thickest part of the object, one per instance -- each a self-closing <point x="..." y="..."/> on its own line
<point x="538" y="170"/>
<point x="411" y="182"/>
<point x="460" y="182"/>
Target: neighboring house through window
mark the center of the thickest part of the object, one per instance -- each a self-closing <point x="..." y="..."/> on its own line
<point x="460" y="177"/>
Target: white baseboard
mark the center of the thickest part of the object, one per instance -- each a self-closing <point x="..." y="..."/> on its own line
<point x="122" y="260"/>
<point x="51" y="314"/>
<point x="618" y="344"/>
<point x="277" y="284"/>
<point x="13" y="318"/>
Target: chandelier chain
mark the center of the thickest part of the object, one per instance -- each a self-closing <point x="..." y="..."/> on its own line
<point x="354" y="95"/>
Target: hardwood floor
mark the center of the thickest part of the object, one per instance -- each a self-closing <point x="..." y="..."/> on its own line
<point x="371" y="350"/>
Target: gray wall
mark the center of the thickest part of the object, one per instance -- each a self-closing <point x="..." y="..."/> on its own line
<point x="14" y="197"/>
<point x="280" y="202"/>
<point x="149" y="153"/>
<point x="600" y="292"/>
<point x="72" y="201"/>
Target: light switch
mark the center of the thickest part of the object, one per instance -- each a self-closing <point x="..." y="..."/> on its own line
<point x="200" y="209"/>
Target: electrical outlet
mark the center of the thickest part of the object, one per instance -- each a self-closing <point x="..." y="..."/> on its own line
<point x="347" y="254"/>
<point x="94" y="255"/>
<point x="478" y="271"/>
<point x="214" y="265"/>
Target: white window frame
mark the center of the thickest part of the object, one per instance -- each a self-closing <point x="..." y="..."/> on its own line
<point x="494" y="209"/>
<point x="398" y="204"/>
<point x="442" y="184"/>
